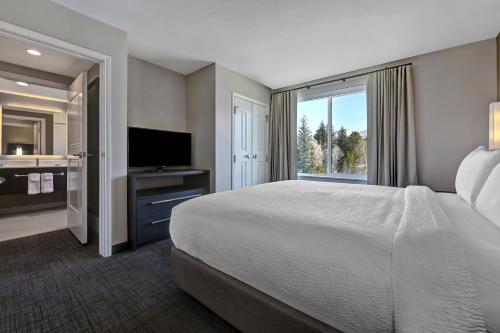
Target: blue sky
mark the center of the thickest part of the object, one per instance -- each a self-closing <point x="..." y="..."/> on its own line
<point x="348" y="111"/>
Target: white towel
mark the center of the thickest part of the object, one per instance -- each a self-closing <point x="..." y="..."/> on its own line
<point x="47" y="183"/>
<point x="33" y="183"/>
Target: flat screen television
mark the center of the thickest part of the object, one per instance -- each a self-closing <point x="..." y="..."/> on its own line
<point x="155" y="148"/>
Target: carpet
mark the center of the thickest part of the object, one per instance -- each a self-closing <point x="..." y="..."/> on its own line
<point x="51" y="283"/>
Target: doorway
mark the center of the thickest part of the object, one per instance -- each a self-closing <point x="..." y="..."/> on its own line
<point x="249" y="142"/>
<point x="77" y="160"/>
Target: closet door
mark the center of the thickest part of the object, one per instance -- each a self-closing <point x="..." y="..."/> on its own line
<point x="250" y="133"/>
<point x="242" y="143"/>
<point x="259" y="144"/>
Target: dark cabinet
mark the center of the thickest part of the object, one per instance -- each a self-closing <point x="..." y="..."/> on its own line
<point x="14" y="187"/>
<point x="154" y="211"/>
<point x="150" y="209"/>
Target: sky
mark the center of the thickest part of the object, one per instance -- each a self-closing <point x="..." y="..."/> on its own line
<point x="347" y="110"/>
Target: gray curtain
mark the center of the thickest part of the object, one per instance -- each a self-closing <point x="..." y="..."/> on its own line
<point x="283" y="136"/>
<point x="391" y="128"/>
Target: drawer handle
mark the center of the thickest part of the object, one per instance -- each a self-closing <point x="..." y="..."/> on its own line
<point x="159" y="221"/>
<point x="175" y="199"/>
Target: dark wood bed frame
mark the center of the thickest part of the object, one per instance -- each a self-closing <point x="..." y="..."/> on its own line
<point x="244" y="307"/>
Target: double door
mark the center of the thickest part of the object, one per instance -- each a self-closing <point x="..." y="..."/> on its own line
<point x="250" y="135"/>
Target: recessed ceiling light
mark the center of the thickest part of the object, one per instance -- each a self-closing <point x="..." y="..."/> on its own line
<point x="21" y="83"/>
<point x="34" y="52"/>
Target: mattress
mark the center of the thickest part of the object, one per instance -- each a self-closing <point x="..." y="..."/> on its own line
<point x="326" y="250"/>
<point x="481" y="240"/>
<point x="306" y="257"/>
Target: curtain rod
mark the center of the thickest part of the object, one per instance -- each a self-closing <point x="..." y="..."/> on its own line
<point x="308" y="86"/>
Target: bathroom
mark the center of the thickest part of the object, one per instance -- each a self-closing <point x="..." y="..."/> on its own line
<point x="49" y="141"/>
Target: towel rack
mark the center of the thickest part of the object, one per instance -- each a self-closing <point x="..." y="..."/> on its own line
<point x="55" y="174"/>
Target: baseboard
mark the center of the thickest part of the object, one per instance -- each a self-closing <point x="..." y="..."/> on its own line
<point x="120" y="247"/>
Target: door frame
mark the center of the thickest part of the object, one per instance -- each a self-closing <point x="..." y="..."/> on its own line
<point x="105" y="222"/>
<point x="252" y="100"/>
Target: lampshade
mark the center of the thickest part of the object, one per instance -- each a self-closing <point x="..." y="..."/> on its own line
<point x="495" y="125"/>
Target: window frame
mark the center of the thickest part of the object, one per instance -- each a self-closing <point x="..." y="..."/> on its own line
<point x="330" y="92"/>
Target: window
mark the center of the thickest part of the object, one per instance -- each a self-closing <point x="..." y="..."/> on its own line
<point x="332" y="134"/>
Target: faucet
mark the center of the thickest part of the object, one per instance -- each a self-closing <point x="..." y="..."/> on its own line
<point x="37" y="161"/>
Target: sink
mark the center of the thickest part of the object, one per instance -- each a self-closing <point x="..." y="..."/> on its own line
<point x="33" y="163"/>
<point x="52" y="163"/>
<point x="17" y="163"/>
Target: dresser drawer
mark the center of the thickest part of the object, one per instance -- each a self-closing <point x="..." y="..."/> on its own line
<point x="153" y="213"/>
<point x="152" y="229"/>
<point x="158" y="199"/>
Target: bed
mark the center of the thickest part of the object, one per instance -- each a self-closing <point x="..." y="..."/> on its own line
<point x="312" y="256"/>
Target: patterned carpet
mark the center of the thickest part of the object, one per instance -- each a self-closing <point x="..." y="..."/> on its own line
<point x="50" y="283"/>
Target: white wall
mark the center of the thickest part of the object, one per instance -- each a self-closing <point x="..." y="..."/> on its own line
<point x="48" y="18"/>
<point x="33" y="103"/>
<point x="498" y="67"/>
<point x="227" y="82"/>
<point x="200" y="118"/>
<point x="453" y="89"/>
<point x="156" y="97"/>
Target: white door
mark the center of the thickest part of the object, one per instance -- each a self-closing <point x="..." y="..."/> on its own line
<point x="77" y="158"/>
<point x="259" y="144"/>
<point x="249" y="143"/>
<point x="242" y="133"/>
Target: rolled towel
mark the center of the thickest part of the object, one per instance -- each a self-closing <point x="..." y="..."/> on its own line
<point x="33" y="183"/>
<point x="47" y="183"/>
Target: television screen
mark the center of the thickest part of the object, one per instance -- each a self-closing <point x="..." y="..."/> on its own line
<point x="155" y="148"/>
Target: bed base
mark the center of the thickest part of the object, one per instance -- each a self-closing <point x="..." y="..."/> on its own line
<point x="244" y="307"/>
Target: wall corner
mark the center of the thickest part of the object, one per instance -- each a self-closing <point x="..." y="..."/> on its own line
<point x="498" y="67"/>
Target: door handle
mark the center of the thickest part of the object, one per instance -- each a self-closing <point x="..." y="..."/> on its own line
<point x="249" y="156"/>
<point x="159" y="221"/>
<point x="82" y="155"/>
<point x="254" y="156"/>
<point x="174" y="199"/>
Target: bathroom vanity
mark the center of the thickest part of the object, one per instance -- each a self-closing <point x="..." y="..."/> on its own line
<point x="32" y="140"/>
<point x="14" y="196"/>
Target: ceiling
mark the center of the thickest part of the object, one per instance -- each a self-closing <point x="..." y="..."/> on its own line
<point x="14" y="51"/>
<point x="284" y="42"/>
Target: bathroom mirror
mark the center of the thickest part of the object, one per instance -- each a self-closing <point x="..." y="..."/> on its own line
<point x="32" y="132"/>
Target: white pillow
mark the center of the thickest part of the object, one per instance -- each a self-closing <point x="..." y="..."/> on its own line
<point x="488" y="200"/>
<point x="473" y="172"/>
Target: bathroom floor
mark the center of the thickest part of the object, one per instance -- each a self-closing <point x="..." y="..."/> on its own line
<point x="22" y="225"/>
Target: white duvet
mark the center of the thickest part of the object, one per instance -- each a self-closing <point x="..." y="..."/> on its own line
<point x="359" y="258"/>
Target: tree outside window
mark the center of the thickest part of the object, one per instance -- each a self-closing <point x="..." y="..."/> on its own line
<point x="323" y="149"/>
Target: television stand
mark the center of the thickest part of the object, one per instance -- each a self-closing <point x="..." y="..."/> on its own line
<point x="152" y="195"/>
<point x="162" y="168"/>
